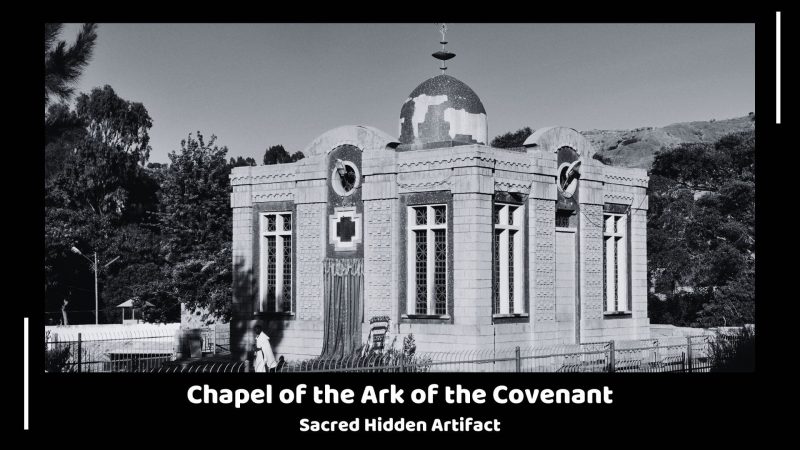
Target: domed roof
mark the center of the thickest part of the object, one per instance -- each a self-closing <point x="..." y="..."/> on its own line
<point x="443" y="110"/>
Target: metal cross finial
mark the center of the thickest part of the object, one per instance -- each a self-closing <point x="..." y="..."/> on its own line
<point x="443" y="55"/>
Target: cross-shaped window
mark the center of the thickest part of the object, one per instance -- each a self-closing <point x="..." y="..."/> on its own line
<point x="345" y="229"/>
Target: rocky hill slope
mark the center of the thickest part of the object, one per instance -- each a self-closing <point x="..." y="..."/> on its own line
<point x="637" y="147"/>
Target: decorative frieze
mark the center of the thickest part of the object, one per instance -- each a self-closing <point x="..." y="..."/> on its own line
<point x="617" y="197"/>
<point x="426" y="181"/>
<point x="625" y="176"/>
<point x="274" y="196"/>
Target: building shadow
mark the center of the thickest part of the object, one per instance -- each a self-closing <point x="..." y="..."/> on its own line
<point x="244" y="316"/>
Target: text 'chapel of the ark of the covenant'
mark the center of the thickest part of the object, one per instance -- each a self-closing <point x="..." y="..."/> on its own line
<point x="438" y="234"/>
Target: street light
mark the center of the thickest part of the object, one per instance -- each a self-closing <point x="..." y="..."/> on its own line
<point x="94" y="269"/>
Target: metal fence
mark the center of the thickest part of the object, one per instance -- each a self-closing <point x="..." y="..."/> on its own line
<point x="207" y="351"/>
<point x="680" y="354"/>
<point x="129" y="351"/>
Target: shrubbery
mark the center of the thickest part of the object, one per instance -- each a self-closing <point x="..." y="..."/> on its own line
<point x="56" y="355"/>
<point x="389" y="359"/>
<point x="733" y="352"/>
<point x="701" y="233"/>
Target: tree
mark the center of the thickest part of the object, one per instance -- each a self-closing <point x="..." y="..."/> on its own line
<point x="104" y="175"/>
<point x="64" y="130"/>
<point x="100" y="189"/>
<point x="701" y="232"/>
<point x="117" y="123"/>
<point x="62" y="64"/>
<point x="195" y="224"/>
<point x="278" y="155"/>
<point x="512" y="139"/>
<point x="142" y="275"/>
<point x="240" y="162"/>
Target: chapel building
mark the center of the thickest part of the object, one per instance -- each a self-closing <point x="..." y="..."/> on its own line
<point x="438" y="234"/>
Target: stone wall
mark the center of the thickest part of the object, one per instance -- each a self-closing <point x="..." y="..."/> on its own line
<point x="379" y="246"/>
<point x="470" y="175"/>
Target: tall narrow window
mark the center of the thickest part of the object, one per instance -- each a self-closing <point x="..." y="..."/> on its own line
<point x="509" y="253"/>
<point x="615" y="263"/>
<point x="427" y="260"/>
<point x="275" y="287"/>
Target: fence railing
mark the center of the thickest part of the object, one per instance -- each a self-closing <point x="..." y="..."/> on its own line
<point x="129" y="351"/>
<point x="201" y="351"/>
<point x="689" y="354"/>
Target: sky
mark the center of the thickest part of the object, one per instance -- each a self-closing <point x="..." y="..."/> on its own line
<point x="257" y="85"/>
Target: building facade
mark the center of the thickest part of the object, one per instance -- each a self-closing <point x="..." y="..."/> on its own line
<point x="464" y="245"/>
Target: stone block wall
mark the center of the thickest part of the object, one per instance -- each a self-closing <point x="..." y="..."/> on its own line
<point x="380" y="247"/>
<point x="471" y="174"/>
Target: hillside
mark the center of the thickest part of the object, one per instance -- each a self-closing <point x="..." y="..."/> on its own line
<point x="636" y="148"/>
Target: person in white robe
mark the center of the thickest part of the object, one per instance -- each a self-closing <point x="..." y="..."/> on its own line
<point x="264" y="357"/>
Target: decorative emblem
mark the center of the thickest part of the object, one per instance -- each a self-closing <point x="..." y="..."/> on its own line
<point x="345" y="177"/>
<point x="568" y="175"/>
<point x="344" y="229"/>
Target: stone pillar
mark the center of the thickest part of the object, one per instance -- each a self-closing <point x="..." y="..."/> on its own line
<point x="243" y="292"/>
<point x="590" y="249"/>
<point x="542" y="251"/>
<point x="311" y="244"/>
<point x="542" y="262"/>
<point x="380" y="267"/>
<point x="638" y="243"/>
<point x="381" y="240"/>
<point x="472" y="276"/>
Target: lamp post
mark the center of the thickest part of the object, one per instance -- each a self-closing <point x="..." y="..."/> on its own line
<point x="94" y="269"/>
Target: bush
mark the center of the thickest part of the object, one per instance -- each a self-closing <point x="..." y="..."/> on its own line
<point x="56" y="355"/>
<point x="679" y="309"/>
<point x="390" y="359"/>
<point x="630" y="141"/>
<point x="733" y="352"/>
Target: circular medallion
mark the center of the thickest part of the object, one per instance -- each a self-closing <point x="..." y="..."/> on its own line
<point x="345" y="178"/>
<point x="568" y="174"/>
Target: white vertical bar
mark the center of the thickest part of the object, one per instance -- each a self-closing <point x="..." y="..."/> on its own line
<point x="26" y="373"/>
<point x="609" y="262"/>
<point x="411" y="258"/>
<point x="622" y="266"/>
<point x="443" y="231"/>
<point x="519" y="269"/>
<point x="431" y="260"/>
<point x="504" y="271"/>
<point x="778" y="67"/>
<point x="262" y="258"/>
<point x="278" y="269"/>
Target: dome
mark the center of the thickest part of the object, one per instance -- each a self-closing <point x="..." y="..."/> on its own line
<point x="443" y="110"/>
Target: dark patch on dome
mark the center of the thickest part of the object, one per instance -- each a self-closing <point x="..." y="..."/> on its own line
<point x="407" y="126"/>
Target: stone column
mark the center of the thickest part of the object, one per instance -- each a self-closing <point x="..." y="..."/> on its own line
<point x="381" y="247"/>
<point x="638" y="243"/>
<point x="542" y="251"/>
<point x="243" y="301"/>
<point x="590" y="249"/>
<point x="473" y="188"/>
